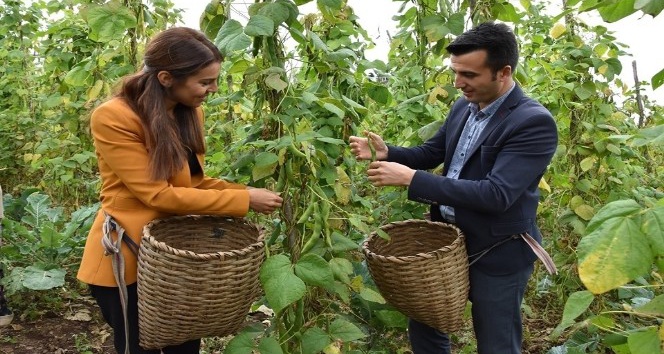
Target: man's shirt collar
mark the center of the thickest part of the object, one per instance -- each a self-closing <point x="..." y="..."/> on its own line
<point x="489" y="110"/>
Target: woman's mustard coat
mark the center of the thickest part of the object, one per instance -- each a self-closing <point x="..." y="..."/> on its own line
<point x="134" y="199"/>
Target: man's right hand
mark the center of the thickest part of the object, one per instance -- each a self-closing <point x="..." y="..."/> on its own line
<point x="360" y="147"/>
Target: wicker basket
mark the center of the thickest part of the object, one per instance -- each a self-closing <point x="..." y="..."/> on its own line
<point x="422" y="271"/>
<point x="197" y="277"/>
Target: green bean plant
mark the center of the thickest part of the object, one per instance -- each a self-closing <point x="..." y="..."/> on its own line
<point x="41" y="243"/>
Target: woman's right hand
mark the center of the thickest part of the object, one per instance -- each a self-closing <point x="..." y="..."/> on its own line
<point x="263" y="201"/>
<point x="360" y="147"/>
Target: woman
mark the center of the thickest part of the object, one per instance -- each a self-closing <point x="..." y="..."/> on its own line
<point x="150" y="147"/>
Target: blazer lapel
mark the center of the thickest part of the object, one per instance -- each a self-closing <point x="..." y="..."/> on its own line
<point x="499" y="117"/>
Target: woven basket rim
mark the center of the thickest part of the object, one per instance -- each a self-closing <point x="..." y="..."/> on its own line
<point x="422" y="255"/>
<point x="152" y="240"/>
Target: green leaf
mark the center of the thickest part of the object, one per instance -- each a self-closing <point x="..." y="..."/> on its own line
<point x="657" y="80"/>
<point x="614" y="149"/>
<point x="456" y="23"/>
<point x="587" y="163"/>
<point x="212" y="18"/>
<point x="345" y="331"/>
<point x="615" y="65"/>
<point x="650" y="136"/>
<point x="314" y="270"/>
<point x="331" y="141"/>
<point x="282" y="287"/>
<point x="239" y="66"/>
<point x="430" y="129"/>
<point x="317" y="42"/>
<point x="646" y="341"/>
<point x="435" y="27"/>
<point x="259" y="25"/>
<point x="340" y="55"/>
<point x="274" y="81"/>
<point x="613" y="254"/>
<point x="380" y="94"/>
<point x="297" y="35"/>
<point x="382" y="234"/>
<point x="269" y="345"/>
<point x="605" y="321"/>
<point x="231" y="38"/>
<point x="266" y="164"/>
<point x="314" y="340"/>
<point x="392" y="318"/>
<point x="334" y="109"/>
<point x="341" y="268"/>
<point x="618" y="208"/>
<point x="371" y="295"/>
<point x="333" y="4"/>
<point x="13" y="282"/>
<point x="38" y="211"/>
<point x="342" y="291"/>
<point x="95" y="90"/>
<point x="584" y="211"/>
<point x="653" y="307"/>
<point x="79" y="76"/>
<point x="342" y="190"/>
<point x="577" y="303"/>
<point x="293" y="13"/>
<point x="652" y="225"/>
<point x="356" y="106"/>
<point x="110" y="21"/>
<point x="276" y="11"/>
<point x="505" y="11"/>
<point x="255" y="8"/>
<point x="309" y="97"/>
<point x="341" y="243"/>
<point x="242" y="343"/>
<point x="650" y="7"/>
<point x="585" y="91"/>
<point x="614" y="11"/>
<point x="36" y="278"/>
<point x="50" y="238"/>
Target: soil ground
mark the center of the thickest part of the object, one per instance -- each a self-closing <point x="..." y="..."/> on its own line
<point x="81" y="330"/>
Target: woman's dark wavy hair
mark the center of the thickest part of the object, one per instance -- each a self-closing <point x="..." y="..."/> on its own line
<point x="496" y="38"/>
<point x="182" y="52"/>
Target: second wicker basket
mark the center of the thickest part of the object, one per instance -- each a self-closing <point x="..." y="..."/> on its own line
<point x="422" y="270"/>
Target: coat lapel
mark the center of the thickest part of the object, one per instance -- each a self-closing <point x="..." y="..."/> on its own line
<point x="499" y="117"/>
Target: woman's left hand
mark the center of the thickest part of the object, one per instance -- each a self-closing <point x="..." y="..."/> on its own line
<point x="264" y="201"/>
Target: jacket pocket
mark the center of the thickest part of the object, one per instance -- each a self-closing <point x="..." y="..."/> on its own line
<point x="511" y="228"/>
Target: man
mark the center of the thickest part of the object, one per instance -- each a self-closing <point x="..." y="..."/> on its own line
<point x="6" y="316"/>
<point x="495" y="145"/>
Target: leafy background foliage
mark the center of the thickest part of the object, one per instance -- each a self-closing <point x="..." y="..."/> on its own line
<point x="281" y="120"/>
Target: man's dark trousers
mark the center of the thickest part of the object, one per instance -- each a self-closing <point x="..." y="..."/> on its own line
<point x="496" y="309"/>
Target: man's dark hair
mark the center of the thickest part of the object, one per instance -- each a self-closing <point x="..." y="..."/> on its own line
<point x="496" y="38"/>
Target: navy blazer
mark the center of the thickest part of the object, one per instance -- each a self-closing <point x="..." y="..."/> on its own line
<point x="496" y="195"/>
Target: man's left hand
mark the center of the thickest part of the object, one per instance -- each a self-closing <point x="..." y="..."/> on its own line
<point x="383" y="173"/>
